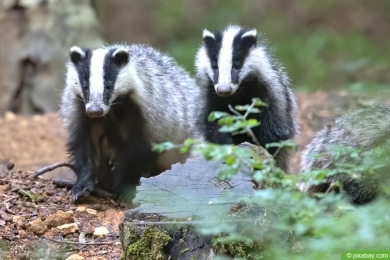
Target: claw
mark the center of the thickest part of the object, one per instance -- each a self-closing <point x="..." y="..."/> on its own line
<point x="82" y="190"/>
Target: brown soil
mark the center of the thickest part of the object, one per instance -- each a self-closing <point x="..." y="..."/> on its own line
<point x="28" y="205"/>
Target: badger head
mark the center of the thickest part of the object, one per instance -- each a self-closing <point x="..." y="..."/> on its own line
<point x="227" y="58"/>
<point x="97" y="77"/>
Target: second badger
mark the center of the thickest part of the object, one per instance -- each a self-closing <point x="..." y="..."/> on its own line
<point x="233" y="66"/>
<point x="366" y="131"/>
<point x="117" y="101"/>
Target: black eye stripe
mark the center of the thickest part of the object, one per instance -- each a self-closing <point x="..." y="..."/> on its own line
<point x="237" y="64"/>
<point x="242" y="48"/>
<point x="83" y="66"/>
<point x="214" y="64"/>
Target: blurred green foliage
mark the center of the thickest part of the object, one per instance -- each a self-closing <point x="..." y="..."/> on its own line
<point x="279" y="221"/>
<point x="322" y="44"/>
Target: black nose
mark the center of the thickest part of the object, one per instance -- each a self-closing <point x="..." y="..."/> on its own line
<point x="95" y="111"/>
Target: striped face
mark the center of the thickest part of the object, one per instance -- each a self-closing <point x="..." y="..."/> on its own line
<point x="93" y="75"/>
<point x="223" y="57"/>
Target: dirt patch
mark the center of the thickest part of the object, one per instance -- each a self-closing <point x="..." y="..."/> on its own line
<point x="28" y="205"/>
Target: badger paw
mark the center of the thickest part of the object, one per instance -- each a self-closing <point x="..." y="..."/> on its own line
<point x="82" y="189"/>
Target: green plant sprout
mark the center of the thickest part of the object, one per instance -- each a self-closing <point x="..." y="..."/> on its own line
<point x="238" y="123"/>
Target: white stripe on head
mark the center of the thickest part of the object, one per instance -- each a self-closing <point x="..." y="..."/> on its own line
<point x="225" y="58"/>
<point x="96" y="79"/>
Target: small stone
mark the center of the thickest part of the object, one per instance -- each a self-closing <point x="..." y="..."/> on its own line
<point x="10" y="165"/>
<point x="91" y="211"/>
<point x="75" y="257"/>
<point x="19" y="221"/>
<point x="68" y="229"/>
<point x="5" y="216"/>
<point x="37" y="226"/>
<point x="82" y="239"/>
<point x="9" y="116"/>
<point x="100" y="232"/>
<point x="81" y="209"/>
<point x="40" y="199"/>
<point x="59" y="218"/>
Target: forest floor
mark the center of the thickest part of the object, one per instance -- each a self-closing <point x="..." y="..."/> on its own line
<point x="38" y="220"/>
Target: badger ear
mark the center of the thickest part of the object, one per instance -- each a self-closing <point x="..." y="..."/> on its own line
<point x="76" y="54"/>
<point x="207" y="33"/>
<point x="249" y="38"/>
<point x="120" y="56"/>
<point x="208" y="37"/>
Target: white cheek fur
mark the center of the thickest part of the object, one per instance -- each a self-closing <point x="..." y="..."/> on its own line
<point x="72" y="79"/>
<point x="203" y="65"/>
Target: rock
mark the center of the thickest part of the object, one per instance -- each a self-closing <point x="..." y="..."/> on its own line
<point x="37" y="226"/>
<point x="19" y="221"/>
<point x="35" y="39"/>
<point x="9" y="116"/>
<point x="5" y="216"/>
<point x="75" y="257"/>
<point x="4" y="187"/>
<point x="59" y="218"/>
<point x="66" y="229"/>
<point x="91" y="211"/>
<point x="81" y="209"/>
<point x="100" y="232"/>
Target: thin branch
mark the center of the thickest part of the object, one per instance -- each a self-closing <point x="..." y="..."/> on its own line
<point x="249" y="109"/>
<point x="247" y="129"/>
<point x="234" y="111"/>
<point x="52" y="167"/>
<point x="9" y="199"/>
<point x="79" y="243"/>
<point x="276" y="152"/>
<point x="252" y="135"/>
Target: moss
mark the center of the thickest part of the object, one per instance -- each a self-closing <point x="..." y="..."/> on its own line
<point x="245" y="241"/>
<point x="232" y="248"/>
<point x="147" y="246"/>
<point x="237" y="249"/>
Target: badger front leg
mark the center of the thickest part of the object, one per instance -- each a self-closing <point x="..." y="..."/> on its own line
<point x="83" y="154"/>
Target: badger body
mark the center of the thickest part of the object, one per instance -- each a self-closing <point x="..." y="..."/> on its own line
<point x="234" y="66"/>
<point x="364" y="130"/>
<point x="117" y="101"/>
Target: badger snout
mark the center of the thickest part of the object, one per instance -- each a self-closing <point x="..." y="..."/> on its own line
<point x="95" y="110"/>
<point x="226" y="89"/>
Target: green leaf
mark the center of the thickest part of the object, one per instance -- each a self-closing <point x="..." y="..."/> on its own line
<point x="258" y="103"/>
<point x="162" y="147"/>
<point x="228" y="120"/>
<point x="215" y="115"/>
<point x="252" y="122"/>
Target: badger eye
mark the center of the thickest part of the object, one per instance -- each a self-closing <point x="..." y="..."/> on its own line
<point x="214" y="65"/>
<point x="109" y="86"/>
<point x="237" y="65"/>
<point x="85" y="85"/>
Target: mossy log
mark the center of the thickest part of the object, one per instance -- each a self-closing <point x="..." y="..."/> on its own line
<point x="173" y="205"/>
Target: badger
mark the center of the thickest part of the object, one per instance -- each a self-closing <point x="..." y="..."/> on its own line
<point x="364" y="130"/>
<point x="234" y="66"/>
<point x="118" y="100"/>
